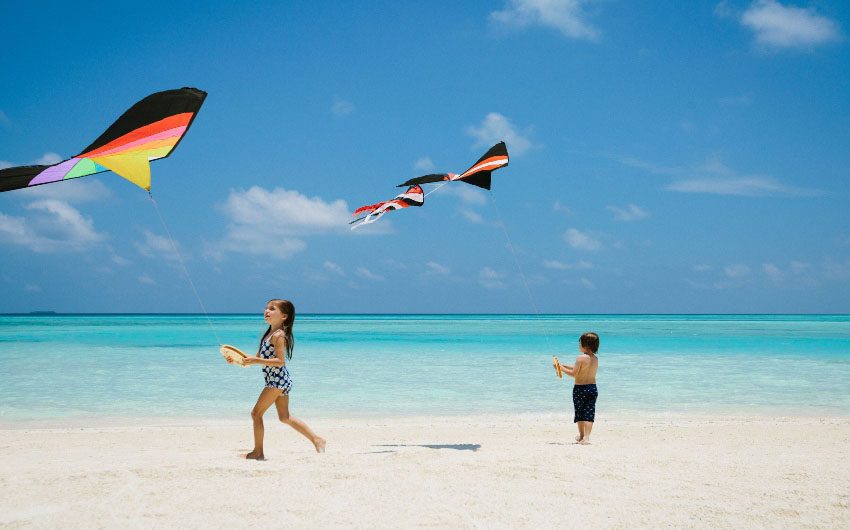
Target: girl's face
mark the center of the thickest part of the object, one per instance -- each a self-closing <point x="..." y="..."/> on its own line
<point x="273" y="315"/>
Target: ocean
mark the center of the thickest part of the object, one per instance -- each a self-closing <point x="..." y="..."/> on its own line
<point x="103" y="366"/>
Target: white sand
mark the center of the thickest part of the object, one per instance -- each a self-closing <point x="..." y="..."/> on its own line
<point x="482" y="471"/>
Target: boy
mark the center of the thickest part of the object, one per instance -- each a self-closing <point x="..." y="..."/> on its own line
<point x="584" y="390"/>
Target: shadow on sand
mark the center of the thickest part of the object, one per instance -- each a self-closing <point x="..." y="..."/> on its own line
<point x="456" y="447"/>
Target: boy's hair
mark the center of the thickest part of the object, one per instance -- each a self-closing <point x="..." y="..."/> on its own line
<point x="589" y="340"/>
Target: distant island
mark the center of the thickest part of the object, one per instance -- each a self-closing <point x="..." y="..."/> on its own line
<point x="42" y="312"/>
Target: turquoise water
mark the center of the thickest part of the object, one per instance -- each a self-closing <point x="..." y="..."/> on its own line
<point x="382" y="365"/>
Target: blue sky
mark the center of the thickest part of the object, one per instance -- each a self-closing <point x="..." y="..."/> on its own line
<point x="665" y="156"/>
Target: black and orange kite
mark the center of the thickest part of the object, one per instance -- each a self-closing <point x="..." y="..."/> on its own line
<point x="477" y="175"/>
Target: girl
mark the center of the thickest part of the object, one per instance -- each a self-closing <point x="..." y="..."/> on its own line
<point x="280" y="316"/>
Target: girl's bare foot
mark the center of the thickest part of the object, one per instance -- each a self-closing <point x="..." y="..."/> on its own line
<point x="578" y="438"/>
<point x="585" y="441"/>
<point x="320" y="444"/>
<point x="255" y="455"/>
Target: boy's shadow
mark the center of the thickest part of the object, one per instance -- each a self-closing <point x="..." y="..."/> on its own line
<point x="456" y="447"/>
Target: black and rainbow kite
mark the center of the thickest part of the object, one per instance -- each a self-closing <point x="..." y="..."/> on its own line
<point x="149" y="130"/>
<point x="477" y="175"/>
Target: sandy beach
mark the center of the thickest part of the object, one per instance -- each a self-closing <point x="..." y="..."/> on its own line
<point x="480" y="471"/>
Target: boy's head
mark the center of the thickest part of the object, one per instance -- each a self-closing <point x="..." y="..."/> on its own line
<point x="589" y="341"/>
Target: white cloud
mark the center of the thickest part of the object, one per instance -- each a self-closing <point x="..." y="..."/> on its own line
<point x="630" y="161"/>
<point x="753" y="186"/>
<point x="581" y="241"/>
<point x="701" y="268"/>
<point x="558" y="207"/>
<point x="32" y="288"/>
<point x="560" y="266"/>
<point x="772" y="271"/>
<point x="48" y="159"/>
<point x="780" y="26"/>
<point x="720" y="179"/>
<point x="392" y="263"/>
<point x="342" y="107"/>
<point x="467" y="194"/>
<point x="119" y="260"/>
<point x="837" y="270"/>
<point x="74" y="191"/>
<point x="632" y="212"/>
<point x="146" y="279"/>
<point x="434" y="268"/>
<point x="335" y="268"/>
<point x="57" y="227"/>
<point x="272" y="222"/>
<point x="715" y="177"/>
<point x="366" y="274"/>
<point x="587" y="284"/>
<point x="566" y="16"/>
<point x="496" y="128"/>
<point x="490" y="279"/>
<point x="471" y="216"/>
<point x="5" y="122"/>
<point x="424" y="164"/>
<point x="734" y="101"/>
<point x="736" y="271"/>
<point x="156" y="246"/>
<point x="798" y="267"/>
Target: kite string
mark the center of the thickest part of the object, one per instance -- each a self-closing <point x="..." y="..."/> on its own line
<point x="183" y="265"/>
<point x="516" y="260"/>
<point x="519" y="268"/>
<point x="436" y="188"/>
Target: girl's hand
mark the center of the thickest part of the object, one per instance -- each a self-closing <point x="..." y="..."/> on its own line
<point x="249" y="360"/>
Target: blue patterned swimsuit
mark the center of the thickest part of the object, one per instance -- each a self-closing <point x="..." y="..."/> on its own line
<point x="276" y="376"/>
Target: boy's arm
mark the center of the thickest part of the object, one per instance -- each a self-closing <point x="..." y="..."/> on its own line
<point x="572" y="370"/>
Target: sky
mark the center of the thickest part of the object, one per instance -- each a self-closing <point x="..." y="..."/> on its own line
<point x="666" y="157"/>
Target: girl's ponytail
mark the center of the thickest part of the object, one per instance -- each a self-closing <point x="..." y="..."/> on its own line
<point x="288" y="337"/>
<point x="287" y="309"/>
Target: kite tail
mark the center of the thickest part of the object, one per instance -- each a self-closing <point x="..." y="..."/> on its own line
<point x="371" y="218"/>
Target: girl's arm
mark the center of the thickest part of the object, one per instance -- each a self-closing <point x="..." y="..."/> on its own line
<point x="279" y="351"/>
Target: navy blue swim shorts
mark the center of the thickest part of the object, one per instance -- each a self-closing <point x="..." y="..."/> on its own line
<point x="584" y="402"/>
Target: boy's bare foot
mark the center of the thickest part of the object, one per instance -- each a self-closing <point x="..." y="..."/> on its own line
<point x="320" y="444"/>
<point x="255" y="455"/>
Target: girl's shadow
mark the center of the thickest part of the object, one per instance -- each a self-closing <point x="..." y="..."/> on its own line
<point x="456" y="447"/>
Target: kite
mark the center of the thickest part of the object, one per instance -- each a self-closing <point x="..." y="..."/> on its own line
<point x="149" y="130"/>
<point x="477" y="175"/>
<point x="414" y="196"/>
